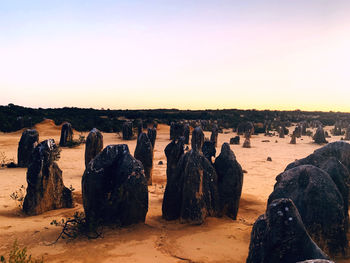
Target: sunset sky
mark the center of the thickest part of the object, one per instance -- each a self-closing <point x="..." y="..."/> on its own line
<point x="261" y="54"/>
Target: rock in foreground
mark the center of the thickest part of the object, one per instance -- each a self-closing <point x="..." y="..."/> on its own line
<point x="319" y="203"/>
<point x="279" y="236"/>
<point x="114" y="188"/>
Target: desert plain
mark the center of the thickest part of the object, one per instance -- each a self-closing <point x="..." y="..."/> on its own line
<point x="157" y="240"/>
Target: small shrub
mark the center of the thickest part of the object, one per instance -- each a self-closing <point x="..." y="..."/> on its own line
<point x="75" y="227"/>
<point x="4" y="161"/>
<point x="75" y="143"/>
<point x="17" y="255"/>
<point x="18" y="196"/>
<point x="309" y="133"/>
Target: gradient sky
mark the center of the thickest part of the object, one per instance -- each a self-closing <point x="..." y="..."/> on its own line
<point x="258" y="54"/>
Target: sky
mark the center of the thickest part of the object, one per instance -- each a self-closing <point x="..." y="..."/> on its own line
<point x="185" y="54"/>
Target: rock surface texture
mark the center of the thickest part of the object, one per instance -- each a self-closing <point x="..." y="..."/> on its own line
<point x="66" y="134"/>
<point x="144" y="153"/>
<point x="114" y="188"/>
<point x="230" y="181"/>
<point x="93" y="145"/>
<point x="319" y="203"/>
<point x="196" y="195"/>
<point x="29" y="140"/>
<point x="279" y="236"/>
<point x="127" y="130"/>
<point x="45" y="190"/>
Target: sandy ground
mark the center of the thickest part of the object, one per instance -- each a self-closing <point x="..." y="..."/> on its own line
<point x="217" y="240"/>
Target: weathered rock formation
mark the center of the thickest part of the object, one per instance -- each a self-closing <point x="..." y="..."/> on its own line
<point x="93" y="145"/>
<point x="152" y="135"/>
<point x="187" y="133"/>
<point x="347" y="134"/>
<point x="176" y="130"/>
<point x="279" y="236"/>
<point x="29" y="140"/>
<point x="337" y="129"/>
<point x="172" y="195"/>
<point x="246" y="143"/>
<point x="209" y="150"/>
<point x="319" y="136"/>
<point x="214" y="135"/>
<point x="114" y="188"/>
<point x="230" y="181"/>
<point x="339" y="149"/>
<point x="297" y="131"/>
<point x="319" y="203"/>
<point x="144" y="153"/>
<point x="335" y="169"/>
<point x="127" y="130"/>
<point x="280" y="132"/>
<point x="196" y="194"/>
<point x="66" y="134"/>
<point x="293" y="139"/>
<point x="45" y="189"/>
<point x="139" y="127"/>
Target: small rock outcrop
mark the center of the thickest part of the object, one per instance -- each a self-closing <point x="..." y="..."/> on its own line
<point x="279" y="236"/>
<point x="152" y="135"/>
<point x="93" y="145"/>
<point x="230" y="181"/>
<point x="297" y="131"/>
<point x="209" y="150"/>
<point x="29" y="140"/>
<point x="319" y="203"/>
<point x="280" y="132"/>
<point x="144" y="153"/>
<point x="45" y="190"/>
<point x="66" y="134"/>
<point x="319" y="136"/>
<point x="235" y="140"/>
<point x="114" y="188"/>
<point x="246" y="143"/>
<point x="293" y="139"/>
<point x="127" y="130"/>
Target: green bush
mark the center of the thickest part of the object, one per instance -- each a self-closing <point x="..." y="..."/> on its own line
<point x="18" y="255"/>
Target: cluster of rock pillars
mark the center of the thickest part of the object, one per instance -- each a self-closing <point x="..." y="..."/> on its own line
<point x="306" y="216"/>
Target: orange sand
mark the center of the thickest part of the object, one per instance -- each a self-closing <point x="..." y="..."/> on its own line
<point x="217" y="240"/>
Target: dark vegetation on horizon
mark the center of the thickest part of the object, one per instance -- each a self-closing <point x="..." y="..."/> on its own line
<point x="13" y="117"/>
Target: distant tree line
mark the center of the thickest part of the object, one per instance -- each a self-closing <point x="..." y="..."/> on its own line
<point x="14" y="117"/>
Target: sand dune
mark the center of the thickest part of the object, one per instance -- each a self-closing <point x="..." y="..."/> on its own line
<point x="217" y="240"/>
